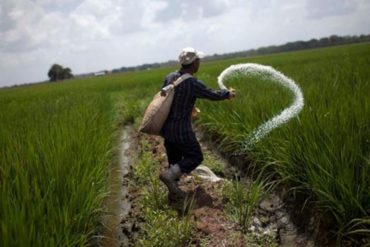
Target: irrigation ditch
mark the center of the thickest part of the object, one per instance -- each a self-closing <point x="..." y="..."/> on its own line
<point x="276" y="220"/>
<point x="118" y="203"/>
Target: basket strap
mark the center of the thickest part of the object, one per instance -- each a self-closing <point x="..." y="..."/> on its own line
<point x="181" y="79"/>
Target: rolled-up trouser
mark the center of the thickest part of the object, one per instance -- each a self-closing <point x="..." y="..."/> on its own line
<point x="187" y="155"/>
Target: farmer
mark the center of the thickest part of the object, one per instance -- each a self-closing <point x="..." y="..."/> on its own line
<point x="183" y="150"/>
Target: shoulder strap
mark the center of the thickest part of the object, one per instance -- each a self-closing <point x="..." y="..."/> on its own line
<point x="181" y="79"/>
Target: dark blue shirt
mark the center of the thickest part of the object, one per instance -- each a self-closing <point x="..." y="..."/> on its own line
<point x="177" y="127"/>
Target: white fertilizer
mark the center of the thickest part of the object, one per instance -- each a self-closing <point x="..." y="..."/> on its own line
<point x="266" y="72"/>
<point x="206" y="173"/>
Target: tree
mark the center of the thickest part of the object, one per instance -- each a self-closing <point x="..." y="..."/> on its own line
<point x="57" y="72"/>
<point x="67" y="73"/>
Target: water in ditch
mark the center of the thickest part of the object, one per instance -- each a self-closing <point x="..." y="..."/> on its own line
<point x="118" y="204"/>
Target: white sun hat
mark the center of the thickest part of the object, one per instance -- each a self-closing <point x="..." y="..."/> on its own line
<point x="189" y="55"/>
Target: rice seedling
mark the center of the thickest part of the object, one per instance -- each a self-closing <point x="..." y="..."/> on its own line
<point x="242" y="198"/>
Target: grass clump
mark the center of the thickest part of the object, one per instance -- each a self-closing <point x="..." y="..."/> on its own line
<point x="242" y="200"/>
<point x="164" y="228"/>
<point x="162" y="225"/>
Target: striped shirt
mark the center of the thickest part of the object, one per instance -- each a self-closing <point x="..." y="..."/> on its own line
<point x="177" y="127"/>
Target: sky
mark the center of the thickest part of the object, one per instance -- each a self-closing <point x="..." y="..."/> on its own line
<point x="94" y="35"/>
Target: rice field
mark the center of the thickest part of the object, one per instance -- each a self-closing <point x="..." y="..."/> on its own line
<point x="58" y="140"/>
<point x="325" y="151"/>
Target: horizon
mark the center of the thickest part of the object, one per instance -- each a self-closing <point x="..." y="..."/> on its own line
<point x="89" y="36"/>
<point x="160" y="62"/>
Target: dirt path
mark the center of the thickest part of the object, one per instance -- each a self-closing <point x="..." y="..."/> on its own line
<point x="270" y="224"/>
<point x="118" y="203"/>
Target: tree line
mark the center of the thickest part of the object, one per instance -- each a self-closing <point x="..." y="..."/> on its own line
<point x="57" y="72"/>
<point x="295" y="46"/>
<point x="290" y="46"/>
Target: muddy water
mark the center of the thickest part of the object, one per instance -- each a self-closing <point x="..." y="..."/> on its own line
<point x="118" y="204"/>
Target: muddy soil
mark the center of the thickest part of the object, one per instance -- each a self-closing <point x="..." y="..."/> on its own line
<point x="272" y="224"/>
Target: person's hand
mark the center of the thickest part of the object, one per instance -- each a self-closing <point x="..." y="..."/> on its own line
<point x="195" y="112"/>
<point x="164" y="90"/>
<point x="163" y="93"/>
<point x="232" y="93"/>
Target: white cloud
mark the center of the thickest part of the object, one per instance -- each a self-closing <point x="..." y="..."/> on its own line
<point x="191" y="9"/>
<point x="91" y="35"/>
<point x="317" y="9"/>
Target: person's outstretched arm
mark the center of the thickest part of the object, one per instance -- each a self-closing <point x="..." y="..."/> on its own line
<point x="201" y="91"/>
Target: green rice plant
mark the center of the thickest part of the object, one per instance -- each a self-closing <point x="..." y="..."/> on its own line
<point x="130" y="112"/>
<point x="144" y="169"/>
<point x="146" y="174"/>
<point x="164" y="228"/>
<point x="358" y="230"/>
<point x="155" y="196"/>
<point x="242" y="200"/>
<point x="54" y="155"/>
<point x="324" y="152"/>
<point x="57" y="141"/>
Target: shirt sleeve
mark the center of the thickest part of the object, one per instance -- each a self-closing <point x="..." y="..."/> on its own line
<point x="170" y="78"/>
<point x="166" y="81"/>
<point x="201" y="91"/>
